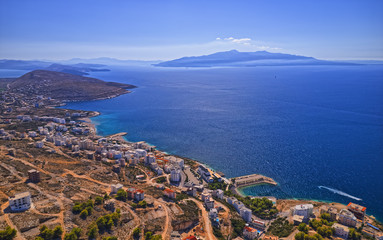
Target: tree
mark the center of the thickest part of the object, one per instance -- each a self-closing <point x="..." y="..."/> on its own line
<point x="326" y="216"/>
<point x="148" y="235"/>
<point x="106" y="196"/>
<point x="353" y="234"/>
<point x="93" y="231"/>
<point x="109" y="224"/>
<point x="318" y="237"/>
<point x="303" y="228"/>
<point x="8" y="234"/>
<point x="110" y="238"/>
<point x="46" y="233"/>
<point x="300" y="236"/>
<point x="57" y="232"/>
<point x="84" y="214"/>
<point x="156" y="237"/>
<point x="136" y="232"/>
<point x="98" y="200"/>
<point x="70" y="236"/>
<point x="142" y="204"/>
<point x="122" y="195"/>
<point x="74" y="234"/>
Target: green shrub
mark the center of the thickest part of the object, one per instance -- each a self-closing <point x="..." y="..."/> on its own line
<point x="280" y="227"/>
<point x="8" y="233"/>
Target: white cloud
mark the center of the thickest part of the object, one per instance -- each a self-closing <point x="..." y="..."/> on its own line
<point x="236" y="40"/>
<point x="242" y="40"/>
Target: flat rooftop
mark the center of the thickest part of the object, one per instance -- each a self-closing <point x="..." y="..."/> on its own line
<point x="20" y="195"/>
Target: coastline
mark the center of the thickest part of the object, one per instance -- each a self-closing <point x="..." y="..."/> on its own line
<point x="237" y="190"/>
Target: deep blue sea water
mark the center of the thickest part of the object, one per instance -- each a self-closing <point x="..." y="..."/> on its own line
<point x="305" y="127"/>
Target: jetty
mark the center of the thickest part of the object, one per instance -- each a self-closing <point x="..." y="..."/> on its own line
<point x="253" y="179"/>
<point x="121" y="134"/>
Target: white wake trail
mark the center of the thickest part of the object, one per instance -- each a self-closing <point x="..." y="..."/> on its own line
<point x="340" y="193"/>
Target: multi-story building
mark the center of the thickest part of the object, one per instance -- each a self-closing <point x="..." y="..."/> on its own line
<point x="115" y="187"/>
<point x="205" y="174"/>
<point x="341" y="230"/>
<point x="218" y="193"/>
<point x="131" y="192"/>
<point x="170" y="193"/>
<point x="34" y="175"/>
<point x="333" y="212"/>
<point x="258" y="224"/>
<point x="358" y="211"/>
<point x="304" y="210"/>
<point x="205" y="196"/>
<point x="250" y="233"/>
<point x="213" y="213"/>
<point x="209" y="204"/>
<point x="175" y="175"/>
<point x="246" y="214"/>
<point x="20" y="202"/>
<point x="139" y="195"/>
<point x="347" y="218"/>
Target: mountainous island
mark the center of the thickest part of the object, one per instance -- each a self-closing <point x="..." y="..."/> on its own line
<point x="235" y="58"/>
<point x="65" y="86"/>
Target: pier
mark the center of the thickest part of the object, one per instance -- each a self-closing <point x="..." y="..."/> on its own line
<point x="253" y="179"/>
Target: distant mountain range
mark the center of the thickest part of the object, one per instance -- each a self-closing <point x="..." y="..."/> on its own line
<point x="65" y="86"/>
<point x="77" y="66"/>
<point x="77" y="69"/>
<point x="235" y="58"/>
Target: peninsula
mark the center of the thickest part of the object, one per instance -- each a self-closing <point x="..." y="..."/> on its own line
<point x="65" y="87"/>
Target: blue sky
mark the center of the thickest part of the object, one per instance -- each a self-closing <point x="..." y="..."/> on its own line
<point x="162" y="29"/>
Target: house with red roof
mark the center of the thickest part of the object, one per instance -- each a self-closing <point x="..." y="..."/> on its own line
<point x="170" y="193"/>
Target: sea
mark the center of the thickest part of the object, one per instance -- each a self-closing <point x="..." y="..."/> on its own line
<point x="316" y="130"/>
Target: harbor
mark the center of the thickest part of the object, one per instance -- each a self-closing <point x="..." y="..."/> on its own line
<point x="252" y="179"/>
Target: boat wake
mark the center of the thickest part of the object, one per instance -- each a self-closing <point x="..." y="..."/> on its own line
<point x="340" y="193"/>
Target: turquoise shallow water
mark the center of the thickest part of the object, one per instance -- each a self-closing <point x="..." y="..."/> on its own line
<point x="318" y="131"/>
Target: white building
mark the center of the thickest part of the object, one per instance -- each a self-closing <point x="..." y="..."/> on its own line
<point x="20" y="202"/>
<point x="141" y="152"/>
<point x="304" y="210"/>
<point x="115" y="187"/>
<point x="205" y="174"/>
<point x="175" y="175"/>
<point x="150" y="158"/>
<point x="175" y="161"/>
<point x="341" y="230"/>
<point x="246" y="214"/>
<point x="347" y="218"/>
<point x="218" y="193"/>
<point x="238" y="205"/>
<point x="213" y="213"/>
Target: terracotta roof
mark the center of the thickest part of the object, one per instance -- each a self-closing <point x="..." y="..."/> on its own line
<point x="250" y="229"/>
<point x="190" y="238"/>
<point x="168" y="190"/>
<point x="356" y="207"/>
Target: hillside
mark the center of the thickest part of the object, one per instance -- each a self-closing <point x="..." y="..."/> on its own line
<point x="246" y="59"/>
<point x="66" y="87"/>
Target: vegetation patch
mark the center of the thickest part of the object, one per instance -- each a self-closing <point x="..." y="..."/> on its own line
<point x="281" y="227"/>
